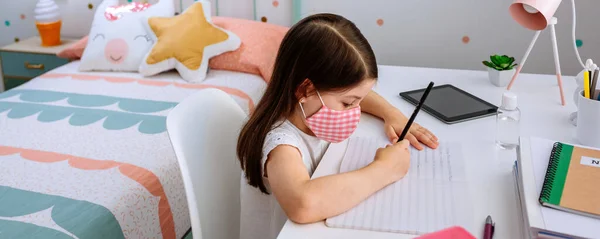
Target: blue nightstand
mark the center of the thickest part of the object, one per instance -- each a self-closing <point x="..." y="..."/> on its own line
<point x="27" y="59"/>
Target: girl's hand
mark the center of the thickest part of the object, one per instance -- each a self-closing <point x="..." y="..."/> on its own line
<point x="395" y="159"/>
<point x="394" y="125"/>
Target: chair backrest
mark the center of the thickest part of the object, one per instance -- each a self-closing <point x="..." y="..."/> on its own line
<point x="204" y="130"/>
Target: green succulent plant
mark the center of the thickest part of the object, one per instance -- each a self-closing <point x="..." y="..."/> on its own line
<point x="501" y="63"/>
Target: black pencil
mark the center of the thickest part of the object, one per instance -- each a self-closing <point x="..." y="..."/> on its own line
<point x="590" y="81"/>
<point x="414" y="114"/>
<point x="593" y="86"/>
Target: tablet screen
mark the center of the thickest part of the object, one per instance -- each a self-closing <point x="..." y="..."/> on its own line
<point x="451" y="103"/>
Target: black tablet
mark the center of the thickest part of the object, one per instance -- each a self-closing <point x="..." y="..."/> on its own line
<point x="450" y="104"/>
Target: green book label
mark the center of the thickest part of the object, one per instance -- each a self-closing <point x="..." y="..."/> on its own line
<point x="556" y="174"/>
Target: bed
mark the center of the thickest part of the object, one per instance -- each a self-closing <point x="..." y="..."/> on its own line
<point x="87" y="155"/>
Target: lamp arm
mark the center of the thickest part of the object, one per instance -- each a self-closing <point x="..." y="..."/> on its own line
<point x="573" y="33"/>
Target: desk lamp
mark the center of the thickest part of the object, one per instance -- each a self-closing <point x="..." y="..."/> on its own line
<point x="537" y="15"/>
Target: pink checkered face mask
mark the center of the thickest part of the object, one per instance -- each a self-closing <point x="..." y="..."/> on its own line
<point x="332" y="125"/>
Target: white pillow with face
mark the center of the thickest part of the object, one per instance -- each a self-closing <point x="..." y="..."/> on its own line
<point x="118" y="40"/>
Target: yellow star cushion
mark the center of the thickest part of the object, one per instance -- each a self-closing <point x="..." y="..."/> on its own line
<point x="186" y="42"/>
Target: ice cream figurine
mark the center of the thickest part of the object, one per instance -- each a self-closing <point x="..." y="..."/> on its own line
<point x="48" y="22"/>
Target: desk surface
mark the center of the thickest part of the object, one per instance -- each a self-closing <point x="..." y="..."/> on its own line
<point x="489" y="169"/>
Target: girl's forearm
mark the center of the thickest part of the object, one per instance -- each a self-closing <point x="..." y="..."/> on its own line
<point x="376" y="105"/>
<point x="334" y="194"/>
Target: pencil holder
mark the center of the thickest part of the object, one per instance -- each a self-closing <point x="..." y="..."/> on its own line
<point x="576" y="94"/>
<point x="588" y="121"/>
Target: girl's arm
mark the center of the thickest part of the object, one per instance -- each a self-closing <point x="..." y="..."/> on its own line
<point x="305" y="200"/>
<point x="395" y="122"/>
<point x="376" y="105"/>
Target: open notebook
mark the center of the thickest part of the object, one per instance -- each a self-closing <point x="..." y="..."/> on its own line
<point x="432" y="196"/>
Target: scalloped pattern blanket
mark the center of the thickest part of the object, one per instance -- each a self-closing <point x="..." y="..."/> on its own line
<point x="87" y="155"/>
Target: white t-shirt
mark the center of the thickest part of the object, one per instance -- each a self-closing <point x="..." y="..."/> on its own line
<point x="261" y="215"/>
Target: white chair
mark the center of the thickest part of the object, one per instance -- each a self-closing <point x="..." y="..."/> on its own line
<point x="204" y="130"/>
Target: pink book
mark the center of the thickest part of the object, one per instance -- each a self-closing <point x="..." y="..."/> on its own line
<point x="449" y="233"/>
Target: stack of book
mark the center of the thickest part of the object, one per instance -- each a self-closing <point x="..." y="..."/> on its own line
<point x="558" y="189"/>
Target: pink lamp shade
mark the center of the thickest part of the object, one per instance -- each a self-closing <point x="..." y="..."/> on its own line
<point x="534" y="14"/>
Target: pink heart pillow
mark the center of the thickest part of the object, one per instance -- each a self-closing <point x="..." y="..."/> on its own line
<point x="256" y="55"/>
<point x="75" y="51"/>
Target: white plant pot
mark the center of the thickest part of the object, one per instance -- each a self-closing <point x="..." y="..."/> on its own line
<point x="500" y="78"/>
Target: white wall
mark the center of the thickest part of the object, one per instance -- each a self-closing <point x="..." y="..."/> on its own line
<point x="430" y="33"/>
<point x="425" y="33"/>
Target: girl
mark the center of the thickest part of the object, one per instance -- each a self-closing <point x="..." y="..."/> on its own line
<point x="322" y="80"/>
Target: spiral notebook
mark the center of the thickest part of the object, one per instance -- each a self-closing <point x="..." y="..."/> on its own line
<point x="572" y="181"/>
<point x="431" y="197"/>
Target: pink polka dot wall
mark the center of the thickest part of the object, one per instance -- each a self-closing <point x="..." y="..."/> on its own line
<point x="401" y="32"/>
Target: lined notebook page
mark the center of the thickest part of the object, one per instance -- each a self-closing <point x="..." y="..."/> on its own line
<point x="432" y="196"/>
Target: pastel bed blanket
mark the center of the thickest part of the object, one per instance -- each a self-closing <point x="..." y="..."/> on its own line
<point x="88" y="155"/>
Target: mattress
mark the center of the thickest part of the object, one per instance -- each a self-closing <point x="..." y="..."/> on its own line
<point x="87" y="155"/>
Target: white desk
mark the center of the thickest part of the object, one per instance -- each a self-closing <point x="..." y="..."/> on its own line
<point x="489" y="169"/>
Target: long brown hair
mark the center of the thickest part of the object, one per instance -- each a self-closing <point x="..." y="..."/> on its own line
<point x="327" y="49"/>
